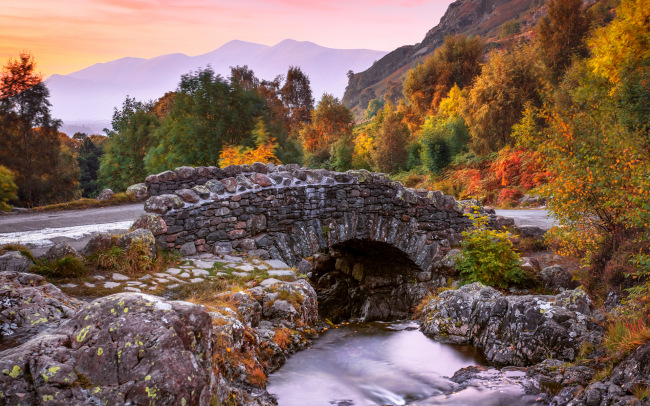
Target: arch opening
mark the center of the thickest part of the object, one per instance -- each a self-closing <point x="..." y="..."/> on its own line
<point x="367" y="280"/>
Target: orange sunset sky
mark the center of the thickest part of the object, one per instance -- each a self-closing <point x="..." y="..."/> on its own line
<point x="68" y="35"/>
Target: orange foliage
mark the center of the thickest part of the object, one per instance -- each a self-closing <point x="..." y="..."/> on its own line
<point x="501" y="181"/>
<point x="233" y="155"/>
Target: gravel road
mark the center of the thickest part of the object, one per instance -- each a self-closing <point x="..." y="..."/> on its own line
<point x="38" y="231"/>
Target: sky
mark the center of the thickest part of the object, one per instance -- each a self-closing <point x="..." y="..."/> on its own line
<point x="68" y="35"/>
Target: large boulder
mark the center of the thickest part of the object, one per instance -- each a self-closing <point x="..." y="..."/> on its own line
<point x="139" y="191"/>
<point x="556" y="278"/>
<point x="142" y="236"/>
<point x="15" y="261"/>
<point x="29" y="305"/>
<point x="98" y="242"/>
<point x="105" y="194"/>
<point x="127" y="348"/>
<point x="151" y="222"/>
<point x="61" y="250"/>
<point x="513" y="330"/>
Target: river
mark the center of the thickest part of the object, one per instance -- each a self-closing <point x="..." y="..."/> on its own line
<point x="383" y="364"/>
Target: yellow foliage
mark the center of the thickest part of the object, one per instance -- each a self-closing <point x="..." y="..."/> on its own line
<point x="234" y="155"/>
<point x="624" y="40"/>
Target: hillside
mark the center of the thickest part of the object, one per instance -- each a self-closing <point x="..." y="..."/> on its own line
<point x="87" y="97"/>
<point x="469" y="17"/>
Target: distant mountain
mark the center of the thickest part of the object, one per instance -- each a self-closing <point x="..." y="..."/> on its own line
<point x="469" y="17"/>
<point x="85" y="99"/>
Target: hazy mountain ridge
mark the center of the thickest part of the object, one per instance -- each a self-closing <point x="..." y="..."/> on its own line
<point x="89" y="95"/>
<point x="469" y="17"/>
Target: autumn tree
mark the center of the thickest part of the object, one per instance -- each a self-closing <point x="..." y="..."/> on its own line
<point x="264" y="150"/>
<point x="31" y="145"/>
<point x="508" y="82"/>
<point x="390" y="154"/>
<point x="561" y="33"/>
<point x="457" y="61"/>
<point x="297" y="98"/>
<point x="243" y="77"/>
<point x="599" y="163"/>
<point x="330" y="121"/>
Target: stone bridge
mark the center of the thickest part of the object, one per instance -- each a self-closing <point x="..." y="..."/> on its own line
<point x="375" y="246"/>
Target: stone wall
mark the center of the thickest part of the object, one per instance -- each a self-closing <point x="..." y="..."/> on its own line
<point x="289" y="213"/>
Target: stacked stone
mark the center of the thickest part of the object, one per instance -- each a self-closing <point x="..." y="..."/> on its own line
<point x="288" y="212"/>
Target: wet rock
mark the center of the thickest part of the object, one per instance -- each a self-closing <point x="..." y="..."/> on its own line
<point x="140" y="236"/>
<point x="188" y="195"/>
<point x="163" y="203"/>
<point x="61" y="250"/>
<point x="555" y="278"/>
<point x="29" y="305"/>
<point x="97" y="243"/>
<point x="139" y="191"/>
<point x="151" y="222"/>
<point x="14" y="261"/>
<point x="105" y="194"/>
<point x="513" y="330"/>
<point x="128" y="347"/>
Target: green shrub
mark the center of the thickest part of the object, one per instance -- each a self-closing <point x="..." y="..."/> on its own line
<point x="488" y="256"/>
<point x="66" y="267"/>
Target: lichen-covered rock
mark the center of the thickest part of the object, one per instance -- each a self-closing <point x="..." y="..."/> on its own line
<point x="105" y="194"/>
<point x="98" y="242"/>
<point x="215" y="186"/>
<point x="163" y="203"/>
<point x="151" y="222"/>
<point x="629" y="375"/>
<point x="140" y="191"/>
<point x="513" y="330"/>
<point x="124" y="349"/>
<point x="188" y="195"/>
<point x="29" y="305"/>
<point x="14" y="261"/>
<point x="202" y="191"/>
<point x="555" y="278"/>
<point x="61" y="250"/>
<point x="141" y="236"/>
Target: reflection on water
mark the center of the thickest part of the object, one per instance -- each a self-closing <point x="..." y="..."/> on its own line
<point x="381" y="364"/>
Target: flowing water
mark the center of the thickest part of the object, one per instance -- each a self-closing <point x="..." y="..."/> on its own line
<point x="383" y="364"/>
